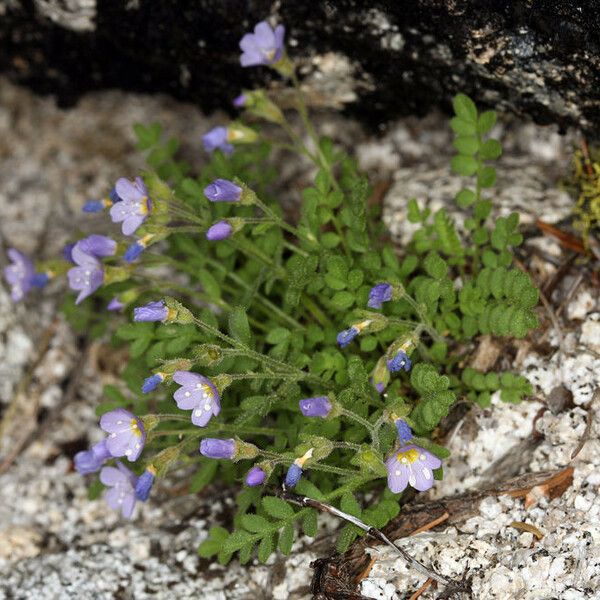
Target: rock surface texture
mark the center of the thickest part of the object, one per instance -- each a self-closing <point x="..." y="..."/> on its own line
<point x="56" y="544"/>
<point x="533" y="57"/>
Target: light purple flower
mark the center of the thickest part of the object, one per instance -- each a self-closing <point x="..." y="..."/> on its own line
<point x="379" y="294"/>
<point x="88" y="274"/>
<point x="255" y="476"/>
<point x="98" y="246"/>
<point x="91" y="461"/>
<point x="121" y="493"/>
<point x="240" y="100"/>
<point x="216" y="448"/>
<point x="399" y="362"/>
<point x="153" y="311"/>
<point x="134" y="207"/>
<point x="223" y="190"/>
<point x="19" y="275"/>
<point x="219" y="231"/>
<point x="217" y="138"/>
<point x="115" y="305"/>
<point x="126" y="434"/>
<point x="263" y="47"/>
<point x="198" y="394"/>
<point x="411" y="465"/>
<point x="319" y="406"/>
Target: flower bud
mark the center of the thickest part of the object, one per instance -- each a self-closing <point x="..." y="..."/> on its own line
<point x="216" y="448"/>
<point x="144" y="483"/>
<point x="240" y="134"/>
<point x="255" y="476"/>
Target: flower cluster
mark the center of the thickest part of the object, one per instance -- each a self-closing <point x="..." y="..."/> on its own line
<point x="297" y="333"/>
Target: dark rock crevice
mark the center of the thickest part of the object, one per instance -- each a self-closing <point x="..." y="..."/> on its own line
<point x="533" y="57"/>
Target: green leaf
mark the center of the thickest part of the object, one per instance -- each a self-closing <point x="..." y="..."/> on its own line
<point x="309" y="523"/>
<point x="265" y="548"/>
<point x="464" y="108"/>
<point x="277" y="335"/>
<point x="347" y="535"/>
<point x="486" y="121"/>
<point x="254" y="523"/>
<point x="277" y="508"/>
<point x="490" y="149"/>
<point x="139" y="346"/>
<point x="342" y="300"/>
<point x="435" y="266"/>
<point x="238" y="325"/>
<point x="486" y="177"/>
<point x="465" y="198"/>
<point x="330" y="240"/>
<point x="237" y="540"/>
<point x="464" y="165"/>
<point x="349" y="505"/>
<point x="463" y="127"/>
<point x="203" y="476"/>
<point x="286" y="538"/>
<point x="466" y="144"/>
<point x="210" y="285"/>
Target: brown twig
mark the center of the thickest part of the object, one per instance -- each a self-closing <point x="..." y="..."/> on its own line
<point x="588" y="426"/>
<point x="422" y="589"/>
<point x="431" y="524"/>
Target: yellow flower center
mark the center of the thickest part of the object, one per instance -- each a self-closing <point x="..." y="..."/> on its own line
<point x="134" y="427"/>
<point x="409" y="456"/>
<point x="144" y="206"/>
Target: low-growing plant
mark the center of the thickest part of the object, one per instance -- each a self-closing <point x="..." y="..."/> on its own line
<point x="310" y="351"/>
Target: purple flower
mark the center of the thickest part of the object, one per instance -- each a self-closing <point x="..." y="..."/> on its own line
<point x="399" y="362"/>
<point x="380" y="387"/>
<point x="379" y="294"/>
<point x="319" y="406"/>
<point x="240" y="100"/>
<point x="219" y="231"/>
<point x="217" y="138"/>
<point x="198" y="394"/>
<point x="133" y="251"/>
<point x="19" y="275"/>
<point x="152" y="382"/>
<point x="91" y="461"/>
<point x="405" y="433"/>
<point x="135" y="206"/>
<point x="346" y="336"/>
<point x="153" y="311"/>
<point x="122" y="482"/>
<point x="293" y="475"/>
<point x="411" y="465"/>
<point x="144" y="484"/>
<point x="93" y="206"/>
<point x="126" y="435"/>
<point x="88" y="274"/>
<point x="255" y="476"/>
<point x="98" y="246"/>
<point x="223" y="190"/>
<point x="215" y="448"/>
<point x="114" y="197"/>
<point x="66" y="252"/>
<point x="263" y="47"/>
<point x="115" y="305"/>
